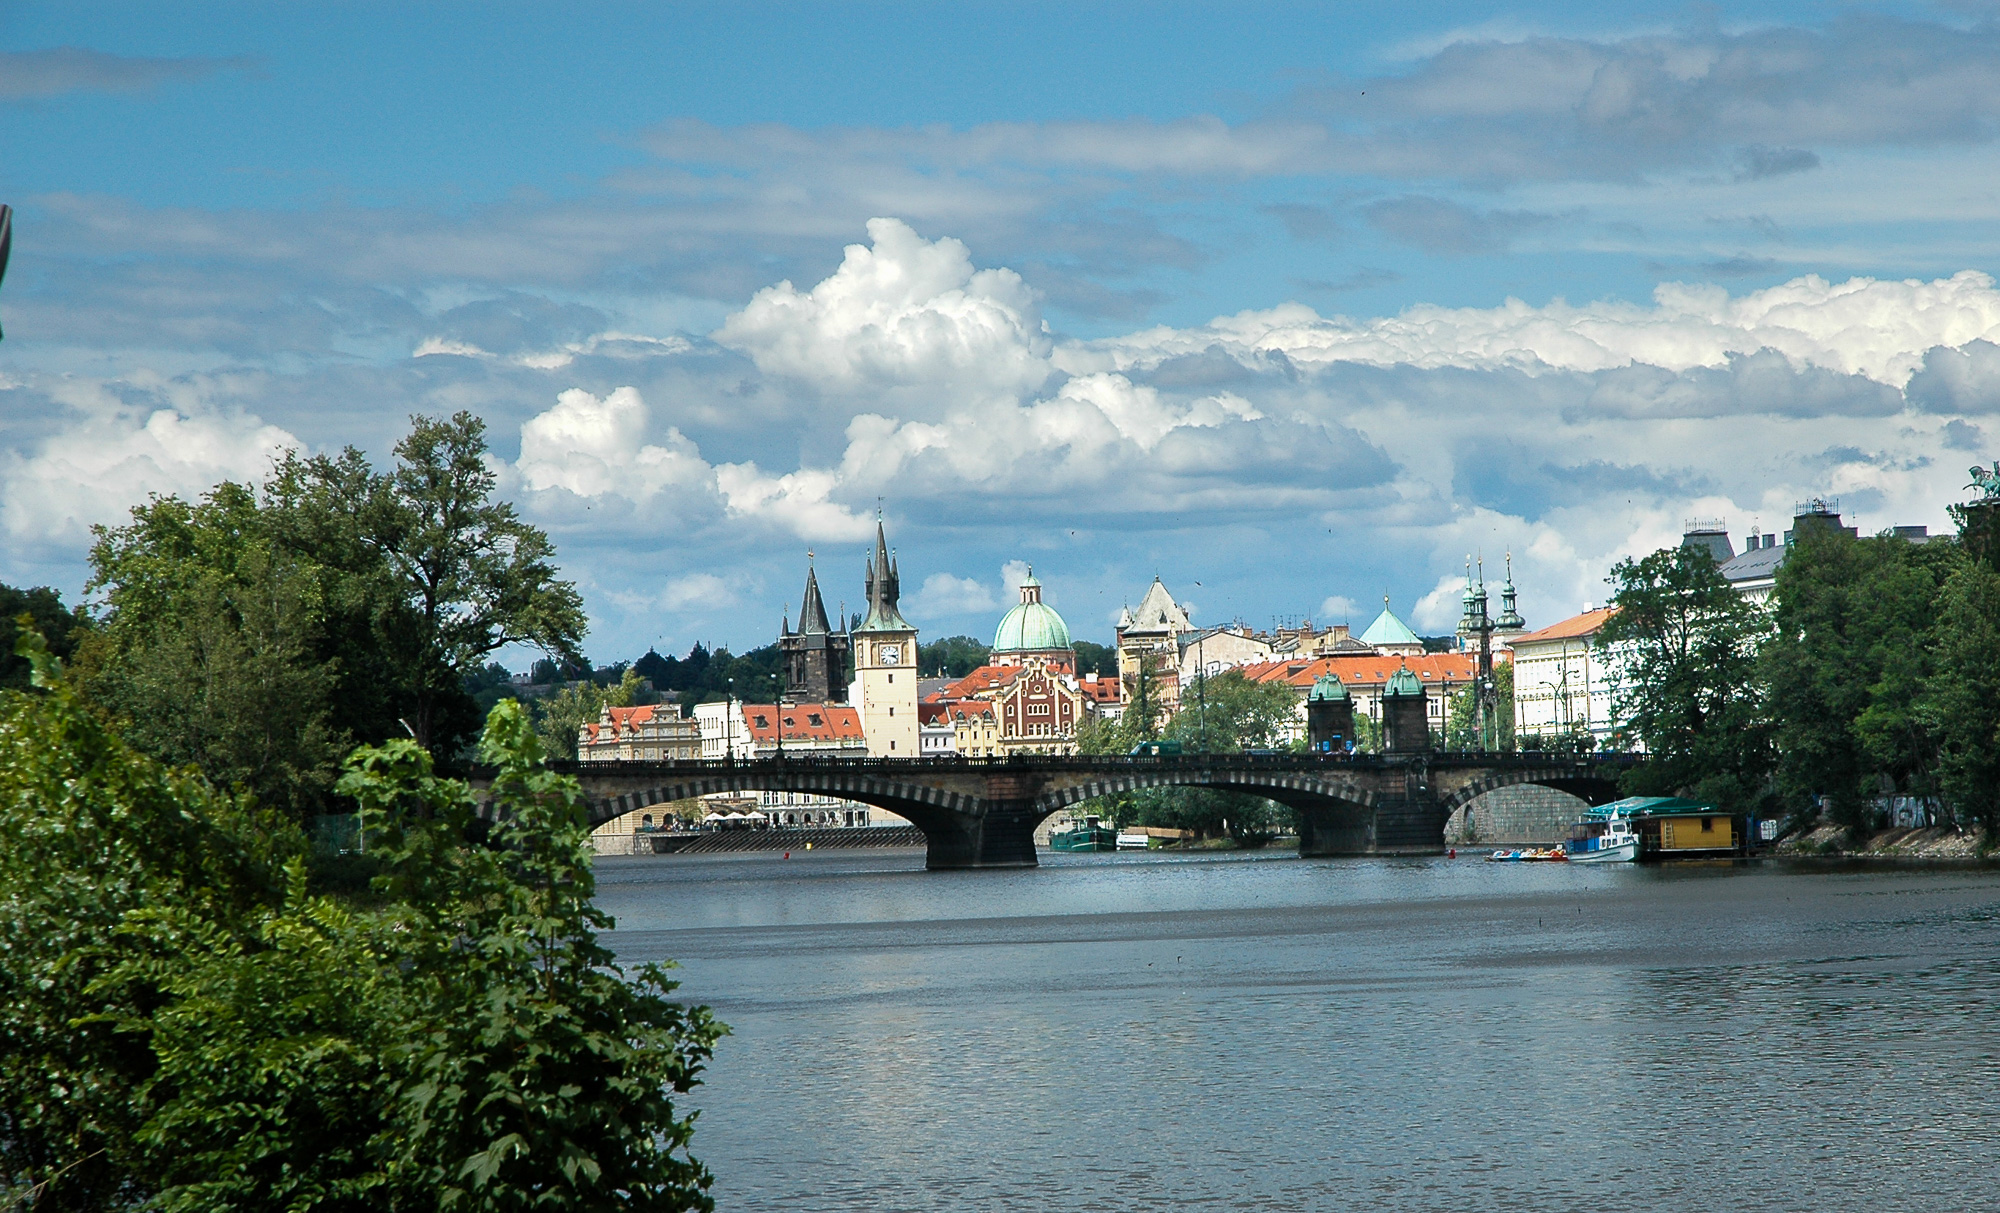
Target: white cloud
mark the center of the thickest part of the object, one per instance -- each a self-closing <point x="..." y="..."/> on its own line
<point x="697" y="590"/>
<point x="593" y="447"/>
<point x="1863" y="326"/>
<point x="1014" y="574"/>
<point x="115" y="456"/>
<point x="904" y="310"/>
<point x="1438" y="612"/>
<point x="1339" y="608"/>
<point x="944" y="595"/>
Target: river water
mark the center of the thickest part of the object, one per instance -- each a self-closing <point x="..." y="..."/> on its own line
<point x="1266" y="1032"/>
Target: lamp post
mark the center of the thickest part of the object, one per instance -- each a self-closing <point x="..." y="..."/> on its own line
<point x="779" y="707"/>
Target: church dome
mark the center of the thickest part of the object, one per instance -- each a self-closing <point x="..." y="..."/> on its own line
<point x="1032" y="626"/>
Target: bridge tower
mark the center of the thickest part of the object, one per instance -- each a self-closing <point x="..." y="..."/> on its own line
<point x="1406" y="726"/>
<point x="885" y="662"/>
<point x="1329" y="716"/>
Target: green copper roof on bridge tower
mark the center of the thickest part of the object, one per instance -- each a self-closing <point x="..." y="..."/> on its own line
<point x="1403" y="685"/>
<point x="1328" y="687"/>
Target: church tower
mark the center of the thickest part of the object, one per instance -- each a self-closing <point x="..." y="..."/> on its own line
<point x="815" y="656"/>
<point x="885" y="662"/>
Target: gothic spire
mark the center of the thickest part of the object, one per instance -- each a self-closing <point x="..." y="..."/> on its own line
<point x="812" y="611"/>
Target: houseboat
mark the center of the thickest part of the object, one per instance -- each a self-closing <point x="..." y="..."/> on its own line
<point x="1608" y="840"/>
<point x="1092" y="835"/>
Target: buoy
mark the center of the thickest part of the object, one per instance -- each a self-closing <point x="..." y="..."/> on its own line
<point x="788" y="854"/>
<point x="1451" y="854"/>
<point x="809" y="846"/>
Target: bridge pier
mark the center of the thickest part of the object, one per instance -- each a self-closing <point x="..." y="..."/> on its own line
<point x="1001" y="837"/>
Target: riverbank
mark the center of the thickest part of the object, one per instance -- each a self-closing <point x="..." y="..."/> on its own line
<point x="1935" y="844"/>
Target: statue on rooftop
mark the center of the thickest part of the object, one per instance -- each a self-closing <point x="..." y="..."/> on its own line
<point x="1986" y="481"/>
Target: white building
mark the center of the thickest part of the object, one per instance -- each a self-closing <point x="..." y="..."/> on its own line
<point x="654" y="732"/>
<point x="1564" y="680"/>
<point x="762" y="730"/>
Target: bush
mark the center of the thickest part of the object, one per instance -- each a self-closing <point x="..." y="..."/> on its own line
<point x="184" y="1025"/>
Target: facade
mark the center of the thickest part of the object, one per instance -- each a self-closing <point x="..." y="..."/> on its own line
<point x="1206" y="652"/>
<point x="885" y="663"/>
<point x="734" y="729"/>
<point x="1564" y="680"/>
<point x="655" y="732"/>
<point x="1013" y="709"/>
<point x="815" y="656"/>
<point x="1365" y="678"/>
<point x="1149" y="639"/>
<point x="1105" y="695"/>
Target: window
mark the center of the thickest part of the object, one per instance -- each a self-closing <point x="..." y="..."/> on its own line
<point x="813" y="719"/>
<point x="1708" y="825"/>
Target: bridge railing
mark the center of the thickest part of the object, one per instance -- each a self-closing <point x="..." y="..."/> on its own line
<point x="1235" y="760"/>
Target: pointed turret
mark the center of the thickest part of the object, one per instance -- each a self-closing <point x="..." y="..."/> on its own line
<point x="812" y="611"/>
<point x="1510" y="618"/>
<point x="883" y="587"/>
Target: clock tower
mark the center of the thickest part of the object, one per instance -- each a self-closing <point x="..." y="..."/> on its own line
<point x="885" y="663"/>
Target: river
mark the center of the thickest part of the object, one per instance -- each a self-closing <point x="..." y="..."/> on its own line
<point x="1265" y="1032"/>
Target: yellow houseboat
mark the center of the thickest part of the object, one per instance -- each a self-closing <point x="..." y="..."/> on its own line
<point x="1671" y="828"/>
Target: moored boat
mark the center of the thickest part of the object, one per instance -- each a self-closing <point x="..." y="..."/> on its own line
<point x="1611" y="840"/>
<point x="1092" y="835"/>
<point x="1134" y="841"/>
<point x="1530" y="855"/>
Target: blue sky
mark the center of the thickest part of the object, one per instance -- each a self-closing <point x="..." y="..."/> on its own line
<point x="1294" y="305"/>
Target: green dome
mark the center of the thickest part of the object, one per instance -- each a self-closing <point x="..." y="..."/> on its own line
<point x="1032" y="626"/>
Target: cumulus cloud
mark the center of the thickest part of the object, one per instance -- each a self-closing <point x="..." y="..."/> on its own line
<point x="901" y="310"/>
<point x="592" y="447"/>
<point x="947" y="596"/>
<point x="113" y="456"/>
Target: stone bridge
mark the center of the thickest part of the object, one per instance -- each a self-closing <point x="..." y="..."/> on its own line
<point x="982" y="813"/>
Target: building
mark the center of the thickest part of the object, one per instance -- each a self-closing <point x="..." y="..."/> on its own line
<point x="764" y="730"/>
<point x="1564" y="680"/>
<point x="1390" y="636"/>
<point x="1366" y="678"/>
<point x="655" y="732"/>
<point x="1033" y="633"/>
<point x="815" y="656"/>
<point x="1105" y="693"/>
<point x="1206" y="652"/>
<point x="1753" y="572"/>
<point x="1149" y="642"/>
<point x="885" y="663"/>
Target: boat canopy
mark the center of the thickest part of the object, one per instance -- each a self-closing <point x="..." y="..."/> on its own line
<point x="1652" y="806"/>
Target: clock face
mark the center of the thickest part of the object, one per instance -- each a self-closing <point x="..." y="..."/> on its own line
<point x="890" y="654"/>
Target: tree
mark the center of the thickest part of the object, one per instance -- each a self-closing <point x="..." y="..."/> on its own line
<point x="1098" y="659"/>
<point x="1220" y="715"/>
<point x="44" y="609"/>
<point x="184" y="1027"/>
<point x="1961" y="706"/>
<point x="1685" y="644"/>
<point x="212" y="651"/>
<point x="951" y="657"/>
<point x="1846" y="663"/>
<point x="474" y="577"/>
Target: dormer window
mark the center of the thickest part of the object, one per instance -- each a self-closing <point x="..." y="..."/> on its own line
<point x="813" y="719"/>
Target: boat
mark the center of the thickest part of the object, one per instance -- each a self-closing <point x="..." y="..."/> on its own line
<point x="1092" y="835"/>
<point x="1134" y="842"/>
<point x="1612" y="840"/>
<point x="1530" y="855"/>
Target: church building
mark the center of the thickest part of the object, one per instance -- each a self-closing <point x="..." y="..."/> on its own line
<point x="815" y="656"/>
<point x="885" y="663"/>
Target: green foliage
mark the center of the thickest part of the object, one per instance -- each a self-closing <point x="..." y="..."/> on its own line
<point x="1462" y="730"/>
<point x="258" y="633"/>
<point x="184" y="1027"/>
<point x="951" y="657"/>
<point x="1846" y="664"/>
<point x="1686" y="643"/>
<point x="1094" y="658"/>
<point x="558" y="717"/>
<point x="704" y="677"/>
<point x="1961" y="708"/>
<point x="46" y="616"/>
<point x="1223" y="714"/>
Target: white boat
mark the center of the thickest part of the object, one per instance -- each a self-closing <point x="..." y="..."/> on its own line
<point x="1132" y="842"/>
<point x="1615" y="842"/>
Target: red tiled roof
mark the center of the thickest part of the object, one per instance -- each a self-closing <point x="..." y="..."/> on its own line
<point x="1366" y="671"/>
<point x="625" y="719"/>
<point x="971" y="709"/>
<point x="803" y="721"/>
<point x="985" y="679"/>
<point x="1586" y="624"/>
<point x="1102" y="689"/>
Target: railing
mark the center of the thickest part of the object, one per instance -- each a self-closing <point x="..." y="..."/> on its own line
<point x="1105" y="762"/>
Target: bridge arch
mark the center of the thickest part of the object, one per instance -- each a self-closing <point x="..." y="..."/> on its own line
<point x="1587" y="786"/>
<point x="904" y="798"/>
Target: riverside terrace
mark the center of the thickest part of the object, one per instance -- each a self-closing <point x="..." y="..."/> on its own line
<point x="982" y="813"/>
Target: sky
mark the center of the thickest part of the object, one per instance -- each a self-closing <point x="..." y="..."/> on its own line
<point x="1295" y="306"/>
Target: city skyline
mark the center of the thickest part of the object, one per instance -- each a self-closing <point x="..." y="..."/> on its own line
<point x="1294" y="309"/>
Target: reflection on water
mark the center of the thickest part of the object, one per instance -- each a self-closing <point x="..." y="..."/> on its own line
<point x="1265" y="1032"/>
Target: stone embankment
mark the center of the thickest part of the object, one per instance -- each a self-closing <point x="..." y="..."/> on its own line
<point x="1935" y="843"/>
